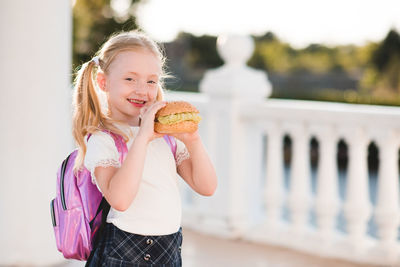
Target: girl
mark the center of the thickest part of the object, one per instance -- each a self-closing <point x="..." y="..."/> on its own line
<point x="143" y="224"/>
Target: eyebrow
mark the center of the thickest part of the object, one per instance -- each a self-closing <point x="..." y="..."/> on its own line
<point x="151" y="75"/>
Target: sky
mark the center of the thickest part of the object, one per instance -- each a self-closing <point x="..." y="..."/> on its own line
<point x="299" y="23"/>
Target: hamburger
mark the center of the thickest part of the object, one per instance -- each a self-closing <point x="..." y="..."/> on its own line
<point x="177" y="117"/>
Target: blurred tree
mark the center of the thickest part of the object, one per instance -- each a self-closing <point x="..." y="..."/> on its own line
<point x="268" y="36"/>
<point x="315" y="58"/>
<point x="386" y="60"/>
<point x="203" y="52"/>
<point x="271" y="54"/>
<point x="189" y="57"/>
<point x="389" y="48"/>
<point x="95" y="20"/>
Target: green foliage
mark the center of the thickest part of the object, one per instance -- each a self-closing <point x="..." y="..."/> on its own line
<point x="389" y="48"/>
<point x="93" y="22"/>
<point x="386" y="64"/>
<point x="202" y="53"/>
<point x="376" y="67"/>
<point x="273" y="55"/>
<point x="302" y="73"/>
<point x="359" y="74"/>
<point x="188" y="58"/>
<point x="346" y="96"/>
<point x="315" y="58"/>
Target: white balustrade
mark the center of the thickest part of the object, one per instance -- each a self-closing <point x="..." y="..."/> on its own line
<point x="236" y="117"/>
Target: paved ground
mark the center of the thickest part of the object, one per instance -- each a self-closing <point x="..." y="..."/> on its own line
<point x="203" y="251"/>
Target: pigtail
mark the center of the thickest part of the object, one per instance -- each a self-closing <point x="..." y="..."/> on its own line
<point x="86" y="105"/>
<point x="88" y="116"/>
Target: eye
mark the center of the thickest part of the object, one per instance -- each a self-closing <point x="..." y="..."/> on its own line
<point x="152" y="82"/>
<point x="130" y="79"/>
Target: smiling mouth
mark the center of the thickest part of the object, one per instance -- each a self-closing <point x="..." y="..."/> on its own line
<point x="136" y="101"/>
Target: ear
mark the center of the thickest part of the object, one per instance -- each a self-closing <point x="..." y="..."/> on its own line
<point x="101" y="80"/>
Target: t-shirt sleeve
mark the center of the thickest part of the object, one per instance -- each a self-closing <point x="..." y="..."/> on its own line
<point x="101" y="152"/>
<point x="181" y="152"/>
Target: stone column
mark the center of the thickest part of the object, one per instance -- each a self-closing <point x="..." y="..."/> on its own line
<point x="274" y="183"/>
<point x="230" y="88"/>
<point x="357" y="206"/>
<point x="327" y="201"/>
<point x="35" y="135"/>
<point x="299" y="198"/>
<point x="387" y="215"/>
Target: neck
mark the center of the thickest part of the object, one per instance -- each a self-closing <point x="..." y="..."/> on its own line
<point x="131" y="121"/>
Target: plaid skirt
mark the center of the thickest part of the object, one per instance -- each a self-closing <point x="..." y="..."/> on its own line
<point x="118" y="248"/>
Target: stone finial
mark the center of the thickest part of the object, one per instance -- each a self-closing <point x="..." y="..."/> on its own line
<point x="236" y="79"/>
<point x="235" y="49"/>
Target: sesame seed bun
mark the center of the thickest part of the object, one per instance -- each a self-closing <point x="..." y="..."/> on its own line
<point x="175" y="107"/>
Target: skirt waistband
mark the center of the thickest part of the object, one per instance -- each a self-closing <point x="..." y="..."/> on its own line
<point x="119" y="247"/>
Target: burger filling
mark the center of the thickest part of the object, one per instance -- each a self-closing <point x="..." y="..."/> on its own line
<point x="179" y="117"/>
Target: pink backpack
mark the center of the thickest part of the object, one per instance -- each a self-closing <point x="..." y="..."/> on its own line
<point x="76" y="211"/>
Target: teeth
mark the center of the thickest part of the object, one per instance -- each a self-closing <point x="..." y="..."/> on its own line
<point x="136" y="101"/>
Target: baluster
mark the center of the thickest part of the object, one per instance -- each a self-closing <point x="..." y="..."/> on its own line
<point x="387" y="202"/>
<point x="300" y="193"/>
<point x="274" y="175"/>
<point x="357" y="207"/>
<point x="327" y="199"/>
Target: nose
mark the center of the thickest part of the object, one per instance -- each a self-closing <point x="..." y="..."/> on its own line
<point x="140" y="92"/>
<point x="140" y="89"/>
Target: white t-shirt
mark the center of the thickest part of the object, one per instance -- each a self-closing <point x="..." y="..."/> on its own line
<point x="156" y="209"/>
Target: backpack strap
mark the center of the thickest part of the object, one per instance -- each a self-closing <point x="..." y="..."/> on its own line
<point x="105" y="208"/>
<point x="172" y="144"/>
<point x="120" y="144"/>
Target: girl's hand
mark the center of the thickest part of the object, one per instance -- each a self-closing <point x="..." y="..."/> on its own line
<point x="147" y="115"/>
<point x="187" y="138"/>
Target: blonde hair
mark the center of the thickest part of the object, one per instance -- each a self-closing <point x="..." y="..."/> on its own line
<point x="88" y="116"/>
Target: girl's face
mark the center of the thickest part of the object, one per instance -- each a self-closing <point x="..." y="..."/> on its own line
<point x="131" y="83"/>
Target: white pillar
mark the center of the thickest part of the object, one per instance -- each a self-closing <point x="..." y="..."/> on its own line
<point x="35" y="135"/>
<point x="357" y="207"/>
<point x="387" y="212"/>
<point x="229" y="88"/>
<point x="299" y="199"/>
<point x="327" y="198"/>
<point x="274" y="185"/>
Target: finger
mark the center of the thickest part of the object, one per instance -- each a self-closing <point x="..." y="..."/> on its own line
<point x="157" y="106"/>
<point x="143" y="111"/>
